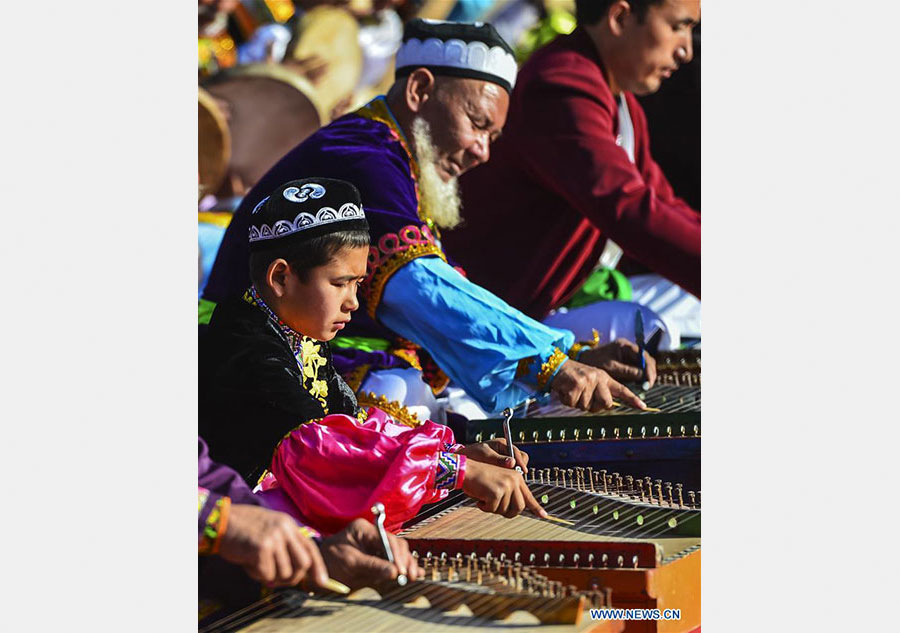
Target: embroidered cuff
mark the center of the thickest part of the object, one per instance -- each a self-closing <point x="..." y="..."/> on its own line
<point x="451" y="469"/>
<point x="216" y="509"/>
<point x="538" y="371"/>
<point x="579" y="347"/>
<point x="453" y="448"/>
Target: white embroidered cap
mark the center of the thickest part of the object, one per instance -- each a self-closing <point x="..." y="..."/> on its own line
<point x="457" y="49"/>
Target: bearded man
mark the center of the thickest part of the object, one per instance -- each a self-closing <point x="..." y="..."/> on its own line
<point x="421" y="318"/>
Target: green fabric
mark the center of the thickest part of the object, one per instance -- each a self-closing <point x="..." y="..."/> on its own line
<point x="604" y="284"/>
<point x="362" y="343"/>
<point x="205" y="311"/>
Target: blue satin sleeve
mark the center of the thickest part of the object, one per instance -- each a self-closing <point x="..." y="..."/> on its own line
<point x="474" y="336"/>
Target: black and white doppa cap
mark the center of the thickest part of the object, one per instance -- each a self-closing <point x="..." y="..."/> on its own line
<point x="304" y="209"/>
<point x="457" y="49"/>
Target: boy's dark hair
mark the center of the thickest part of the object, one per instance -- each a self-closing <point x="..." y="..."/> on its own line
<point x="305" y="255"/>
<point x="591" y="11"/>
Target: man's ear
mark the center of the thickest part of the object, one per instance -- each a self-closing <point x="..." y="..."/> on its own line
<point x="419" y="89"/>
<point x="276" y="276"/>
<point x="618" y="15"/>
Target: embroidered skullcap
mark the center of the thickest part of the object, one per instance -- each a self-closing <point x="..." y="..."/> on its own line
<point x="457" y="49"/>
<point x="304" y="209"/>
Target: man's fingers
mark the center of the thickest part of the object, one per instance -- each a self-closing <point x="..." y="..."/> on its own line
<point x="521" y="458"/>
<point x="317" y="571"/>
<point x="602" y="398"/>
<point x="300" y="558"/>
<point x="585" y="398"/>
<point x="624" y="372"/>
<point x="624" y="394"/>
<point x="283" y="565"/>
<point x="651" y="368"/>
<point x="402" y="557"/>
<point x="265" y="566"/>
<point x="531" y="503"/>
<point x="373" y="570"/>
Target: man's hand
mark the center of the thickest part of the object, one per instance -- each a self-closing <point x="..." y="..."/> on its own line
<point x="495" y="452"/>
<point x="270" y="548"/>
<point x="355" y="556"/>
<point x="620" y="360"/>
<point x="584" y="387"/>
<point x="499" y="490"/>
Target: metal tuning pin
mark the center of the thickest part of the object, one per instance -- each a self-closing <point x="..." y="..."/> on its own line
<point x="380" y="516"/>
<point x="693" y="501"/>
<point x="669" y="493"/>
<point x="678" y="490"/>
<point x="556" y="475"/>
<point x="659" y="494"/>
<point x="590" y="477"/>
<point x="570" y="473"/>
<point x="629" y="484"/>
<point x="603" y="480"/>
<point x="640" y="486"/>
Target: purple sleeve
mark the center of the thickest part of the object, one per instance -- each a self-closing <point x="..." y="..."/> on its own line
<point x="220" y="480"/>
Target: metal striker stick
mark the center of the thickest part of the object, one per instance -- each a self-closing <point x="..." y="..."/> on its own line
<point x="507" y="433"/>
<point x="378" y="511"/>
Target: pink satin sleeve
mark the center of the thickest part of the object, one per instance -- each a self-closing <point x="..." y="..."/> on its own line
<point x="335" y="470"/>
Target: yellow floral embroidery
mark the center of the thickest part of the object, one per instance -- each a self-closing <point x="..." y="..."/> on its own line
<point x="393" y="408"/>
<point x="549" y="368"/>
<point x="579" y="347"/>
<point x="313" y="361"/>
<point x="319" y="389"/>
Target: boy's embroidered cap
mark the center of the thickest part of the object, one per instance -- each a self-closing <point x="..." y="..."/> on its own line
<point x="304" y="209"/>
<point x="457" y="49"/>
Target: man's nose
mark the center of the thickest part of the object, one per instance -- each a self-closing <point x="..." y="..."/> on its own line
<point x="685" y="52"/>
<point x="481" y="149"/>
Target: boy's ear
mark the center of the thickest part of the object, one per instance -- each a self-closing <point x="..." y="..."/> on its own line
<point x="276" y="276"/>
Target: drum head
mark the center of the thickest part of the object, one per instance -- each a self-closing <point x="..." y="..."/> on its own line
<point x="214" y="143"/>
<point x="331" y="34"/>
<point x="271" y="110"/>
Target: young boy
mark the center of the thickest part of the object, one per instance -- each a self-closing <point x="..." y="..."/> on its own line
<point x="270" y="396"/>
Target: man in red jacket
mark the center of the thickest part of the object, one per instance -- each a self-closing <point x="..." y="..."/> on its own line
<point x="573" y="172"/>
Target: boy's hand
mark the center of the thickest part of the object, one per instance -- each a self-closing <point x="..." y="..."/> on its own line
<point x="270" y="548"/>
<point x="355" y="556"/>
<point x="499" y="490"/>
<point x="620" y="360"/>
<point x="591" y="389"/>
<point x="495" y="452"/>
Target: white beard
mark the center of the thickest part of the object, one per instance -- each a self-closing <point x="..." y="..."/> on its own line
<point x="440" y="199"/>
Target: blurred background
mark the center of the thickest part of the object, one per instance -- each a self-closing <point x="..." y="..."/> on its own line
<point x="271" y="72"/>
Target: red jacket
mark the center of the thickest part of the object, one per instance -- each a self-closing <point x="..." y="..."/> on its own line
<point x="538" y="213"/>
